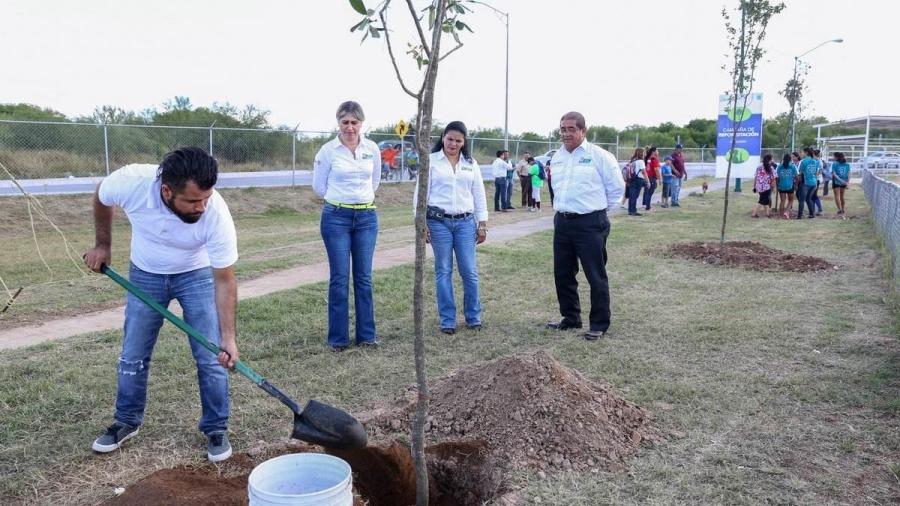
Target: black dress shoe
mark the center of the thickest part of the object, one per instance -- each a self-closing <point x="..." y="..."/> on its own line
<point x="593" y="335"/>
<point x="339" y="348"/>
<point x="563" y="325"/>
<point x="449" y="331"/>
<point x="476" y="327"/>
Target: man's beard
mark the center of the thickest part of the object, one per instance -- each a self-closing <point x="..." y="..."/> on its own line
<point x="187" y="218"/>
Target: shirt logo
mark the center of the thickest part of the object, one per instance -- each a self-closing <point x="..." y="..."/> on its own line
<point x="466" y="168"/>
<point x="367" y="156"/>
<point x="585" y="160"/>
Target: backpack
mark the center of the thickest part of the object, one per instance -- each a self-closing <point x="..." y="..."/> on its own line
<point x="628" y="171"/>
<point x="541" y="174"/>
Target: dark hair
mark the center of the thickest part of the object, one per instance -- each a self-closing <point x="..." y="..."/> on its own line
<point x="188" y="164"/>
<point x="839" y="156"/>
<point x="808" y="151"/>
<point x="649" y="153"/>
<point x="796" y="154"/>
<point x="767" y="163"/>
<point x="454" y="126"/>
<point x="500" y="152"/>
<point x="530" y="159"/>
<point x="577" y="116"/>
<point x="816" y="152"/>
<point x="786" y="160"/>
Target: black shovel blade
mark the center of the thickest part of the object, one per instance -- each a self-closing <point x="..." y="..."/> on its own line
<point x="328" y="426"/>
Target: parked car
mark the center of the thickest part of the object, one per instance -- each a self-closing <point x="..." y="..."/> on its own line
<point x="410" y="159"/>
<point x="881" y="159"/>
<point x="546" y="157"/>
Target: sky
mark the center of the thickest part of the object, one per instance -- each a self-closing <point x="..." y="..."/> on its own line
<point x="618" y="62"/>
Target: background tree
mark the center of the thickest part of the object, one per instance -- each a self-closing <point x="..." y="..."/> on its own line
<point x="793" y="92"/>
<point x="745" y="43"/>
<point x="443" y="16"/>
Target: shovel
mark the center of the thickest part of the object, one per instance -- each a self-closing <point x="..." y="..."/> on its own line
<point x="317" y="423"/>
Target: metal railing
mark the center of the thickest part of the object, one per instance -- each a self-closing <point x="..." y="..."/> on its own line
<point x="884" y="198"/>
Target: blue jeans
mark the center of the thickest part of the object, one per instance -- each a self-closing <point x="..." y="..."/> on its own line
<point x="805" y="196"/>
<point x="676" y="189"/>
<point x="349" y="234"/>
<point x="509" y="190"/>
<point x="648" y="194"/>
<point x="634" y="192"/>
<point x="195" y="291"/>
<point x="449" y="237"/>
<point x="501" y="197"/>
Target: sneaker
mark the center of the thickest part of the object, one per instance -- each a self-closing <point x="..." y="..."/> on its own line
<point x="475" y="326"/>
<point x="338" y="348"/>
<point x="593" y="335"/>
<point x="218" y="448"/>
<point x="115" y="435"/>
<point x="372" y="345"/>
<point x="448" y="330"/>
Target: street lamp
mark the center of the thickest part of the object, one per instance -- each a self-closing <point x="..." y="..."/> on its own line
<point x="794" y="83"/>
<point x="506" y="107"/>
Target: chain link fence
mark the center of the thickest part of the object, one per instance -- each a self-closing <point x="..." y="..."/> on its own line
<point x="40" y="150"/>
<point x="884" y="198"/>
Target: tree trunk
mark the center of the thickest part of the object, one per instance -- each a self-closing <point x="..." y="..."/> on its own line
<point x="423" y="141"/>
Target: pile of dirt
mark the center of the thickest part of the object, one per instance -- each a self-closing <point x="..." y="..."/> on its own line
<point x="749" y="255"/>
<point x="530" y="412"/>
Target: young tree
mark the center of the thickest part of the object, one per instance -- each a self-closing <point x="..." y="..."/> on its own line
<point x="793" y="92"/>
<point x="745" y="43"/>
<point x="443" y="16"/>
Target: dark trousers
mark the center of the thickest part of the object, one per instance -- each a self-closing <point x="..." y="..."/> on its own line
<point x="527" y="201"/>
<point x="815" y="198"/>
<point x="648" y="194"/>
<point x="804" y="196"/>
<point x="581" y="238"/>
<point x="634" y="192"/>
<point x="825" y="188"/>
<point x="550" y="187"/>
<point x="500" y="195"/>
<point x="509" y="191"/>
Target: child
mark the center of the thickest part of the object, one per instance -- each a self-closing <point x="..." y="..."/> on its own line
<point x="666" y="170"/>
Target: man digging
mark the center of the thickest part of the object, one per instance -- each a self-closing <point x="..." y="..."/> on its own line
<point x="183" y="246"/>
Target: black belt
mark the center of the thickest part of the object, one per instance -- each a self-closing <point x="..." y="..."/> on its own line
<point x="457" y="216"/>
<point x="570" y="216"/>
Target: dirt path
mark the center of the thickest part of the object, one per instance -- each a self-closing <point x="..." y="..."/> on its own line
<point x="111" y="319"/>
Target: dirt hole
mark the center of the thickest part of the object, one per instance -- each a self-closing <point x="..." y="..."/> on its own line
<point x="749" y="255"/>
<point x="383" y="475"/>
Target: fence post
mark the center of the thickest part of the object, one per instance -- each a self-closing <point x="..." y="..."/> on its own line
<point x="293" y="154"/>
<point x="106" y="148"/>
<point x="211" y="138"/>
<point x="617" y="146"/>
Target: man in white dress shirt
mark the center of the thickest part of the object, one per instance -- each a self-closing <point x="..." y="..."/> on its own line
<point x="586" y="179"/>
<point x="500" y="167"/>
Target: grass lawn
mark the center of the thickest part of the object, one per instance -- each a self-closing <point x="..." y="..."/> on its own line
<point x="277" y="228"/>
<point x="771" y="387"/>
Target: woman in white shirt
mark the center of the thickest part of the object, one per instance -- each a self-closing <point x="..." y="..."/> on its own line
<point x="637" y="181"/>
<point x="457" y="221"/>
<point x="346" y="174"/>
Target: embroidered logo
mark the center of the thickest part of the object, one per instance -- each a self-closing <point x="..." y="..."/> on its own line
<point x="585" y="160"/>
<point x="367" y="156"/>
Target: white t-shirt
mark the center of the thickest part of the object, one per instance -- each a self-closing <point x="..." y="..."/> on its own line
<point x="638" y="166"/>
<point x="160" y="242"/>
<point x="499" y="167"/>
<point x="341" y="176"/>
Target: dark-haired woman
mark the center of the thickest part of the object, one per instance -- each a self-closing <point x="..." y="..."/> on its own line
<point x="786" y="178"/>
<point x="651" y="160"/>
<point x="840" y="179"/>
<point x="762" y="186"/>
<point x="346" y="174"/>
<point x="457" y="221"/>
<point x="637" y="180"/>
<point x="809" y="168"/>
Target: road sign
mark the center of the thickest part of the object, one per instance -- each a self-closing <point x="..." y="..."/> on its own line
<point x="401" y="129"/>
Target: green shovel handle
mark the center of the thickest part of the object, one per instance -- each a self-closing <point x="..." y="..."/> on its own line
<point x="178" y="322"/>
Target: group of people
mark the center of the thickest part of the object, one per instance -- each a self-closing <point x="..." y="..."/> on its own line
<point x="800" y="179"/>
<point x="643" y="172"/>
<point x="184" y="247"/>
<point x="532" y="176"/>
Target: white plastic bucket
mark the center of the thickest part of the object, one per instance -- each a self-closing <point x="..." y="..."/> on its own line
<point x="301" y="479"/>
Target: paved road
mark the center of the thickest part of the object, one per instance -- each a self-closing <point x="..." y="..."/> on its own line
<point x="75" y="185"/>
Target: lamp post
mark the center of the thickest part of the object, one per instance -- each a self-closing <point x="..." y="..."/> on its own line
<point x="794" y="83"/>
<point x="505" y="16"/>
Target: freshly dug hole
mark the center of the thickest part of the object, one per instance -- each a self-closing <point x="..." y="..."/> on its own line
<point x="530" y="411"/>
<point x="749" y="255"/>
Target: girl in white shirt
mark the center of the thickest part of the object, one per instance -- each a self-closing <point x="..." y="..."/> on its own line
<point x="346" y="174"/>
<point x="457" y="221"/>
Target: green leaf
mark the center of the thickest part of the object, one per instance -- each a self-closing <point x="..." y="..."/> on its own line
<point x="359" y="7"/>
<point x="360" y="25"/>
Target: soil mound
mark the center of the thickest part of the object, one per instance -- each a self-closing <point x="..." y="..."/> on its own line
<point x="749" y="255"/>
<point x="530" y="412"/>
